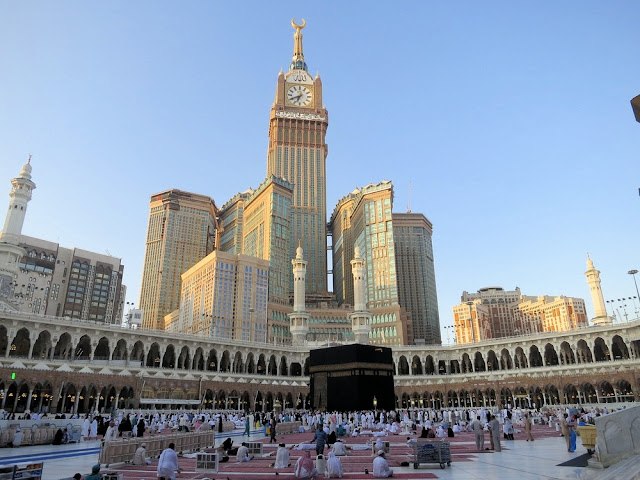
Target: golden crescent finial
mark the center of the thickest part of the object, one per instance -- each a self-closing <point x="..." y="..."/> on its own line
<point x="296" y="26"/>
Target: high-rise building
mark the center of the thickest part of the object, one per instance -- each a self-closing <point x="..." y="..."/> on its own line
<point x="38" y="276"/>
<point x="232" y="220"/>
<point x="363" y="219"/>
<point x="182" y="231"/>
<point x="416" y="274"/>
<point x="266" y="233"/>
<point x="493" y="312"/>
<point x="297" y="153"/>
<point x="224" y="296"/>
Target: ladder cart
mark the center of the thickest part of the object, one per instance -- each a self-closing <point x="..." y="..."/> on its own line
<point x="431" y="452"/>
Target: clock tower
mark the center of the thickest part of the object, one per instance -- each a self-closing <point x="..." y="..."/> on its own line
<point x="297" y="152"/>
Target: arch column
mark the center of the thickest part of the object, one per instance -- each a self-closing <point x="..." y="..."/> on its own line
<point x="28" y="407"/>
<point x="32" y="342"/>
<point x="10" y="336"/>
<point x="75" y="403"/>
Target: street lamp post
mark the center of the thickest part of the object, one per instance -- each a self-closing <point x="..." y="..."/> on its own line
<point x="633" y="274"/>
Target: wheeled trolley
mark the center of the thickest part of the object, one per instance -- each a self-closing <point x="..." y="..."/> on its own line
<point x="431" y="452"/>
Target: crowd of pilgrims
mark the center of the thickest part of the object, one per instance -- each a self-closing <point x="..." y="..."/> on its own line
<point x="328" y="430"/>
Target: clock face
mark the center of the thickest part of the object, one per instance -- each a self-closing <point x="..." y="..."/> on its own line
<point x="299" y="95"/>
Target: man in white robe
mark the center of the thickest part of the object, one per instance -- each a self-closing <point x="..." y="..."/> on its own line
<point x="381" y="468"/>
<point x="282" y="457"/>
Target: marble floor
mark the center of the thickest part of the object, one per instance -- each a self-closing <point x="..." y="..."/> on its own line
<point x="520" y="460"/>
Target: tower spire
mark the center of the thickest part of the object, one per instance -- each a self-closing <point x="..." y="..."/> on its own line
<point x="297" y="61"/>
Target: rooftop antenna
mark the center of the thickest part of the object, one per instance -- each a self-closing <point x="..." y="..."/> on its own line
<point x="409" y="200"/>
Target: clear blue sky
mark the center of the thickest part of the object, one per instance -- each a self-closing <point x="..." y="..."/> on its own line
<point x="510" y="119"/>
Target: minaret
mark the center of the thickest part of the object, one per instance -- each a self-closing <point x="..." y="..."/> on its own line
<point x="360" y="318"/>
<point x="593" y="279"/>
<point x="10" y="250"/>
<point x="299" y="319"/>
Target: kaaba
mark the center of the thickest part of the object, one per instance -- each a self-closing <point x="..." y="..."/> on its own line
<point x="352" y="377"/>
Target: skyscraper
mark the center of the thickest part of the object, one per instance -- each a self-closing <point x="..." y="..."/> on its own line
<point x="182" y="231"/>
<point x="266" y="233"/>
<point x="297" y="153"/>
<point x="363" y="219"/>
<point x="416" y="274"/>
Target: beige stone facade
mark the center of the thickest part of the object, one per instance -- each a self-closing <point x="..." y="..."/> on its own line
<point x="224" y="296"/>
<point x="183" y="229"/>
<point x="495" y="313"/>
<point x="76" y="366"/>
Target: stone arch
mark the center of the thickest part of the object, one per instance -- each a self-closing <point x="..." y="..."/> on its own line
<point x="537" y="399"/>
<point x="589" y="393"/>
<point x="268" y="402"/>
<point x="184" y="359"/>
<point x="296" y="369"/>
<point x="225" y="362"/>
<point x="4" y="340"/>
<point x="506" y="397"/>
<point x="601" y="350"/>
<point x="169" y="358"/>
<point x="429" y="366"/>
<point x="625" y="391"/>
<point x="553" y="397"/>
<point x="288" y="401"/>
<point x="550" y="355"/>
<point x="42" y="397"/>
<point x="454" y="366"/>
<point x="262" y="366"/>
<point x="207" y="399"/>
<point x="566" y="354"/>
<point x="251" y="363"/>
<point x="506" y="362"/>
<point x="490" y="394"/>
<point x="478" y="363"/>
<point x="416" y="365"/>
<point x="571" y="394"/>
<point x="438" y="400"/>
<point x="257" y="405"/>
<point x="42" y="346"/>
<point x="120" y="350"/>
<point x="607" y="394"/>
<point x="520" y="360"/>
<point x="403" y="366"/>
<point x="102" y="350"/>
<point x="68" y="398"/>
<point x="283" y="370"/>
<point x="137" y="353"/>
<point x="220" y="401"/>
<point x="245" y="403"/>
<point x="20" y="344"/>
<point x="520" y="397"/>
<point x="535" y="358"/>
<point x="237" y="364"/>
<point x="153" y="357"/>
<point x="583" y="352"/>
<point x="63" y="347"/>
<point x="83" y="349"/>
<point x="492" y="361"/>
<point x="272" y="368"/>
<point x="619" y="348"/>
<point x="466" y="363"/>
<point x="212" y="360"/>
<point x="305" y="370"/>
<point x="198" y="360"/>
